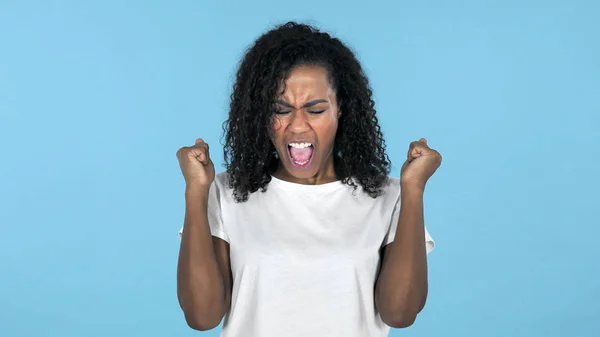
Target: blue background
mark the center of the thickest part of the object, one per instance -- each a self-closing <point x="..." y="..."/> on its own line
<point x="97" y="96"/>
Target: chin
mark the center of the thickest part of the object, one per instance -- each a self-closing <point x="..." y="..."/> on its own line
<point x="301" y="174"/>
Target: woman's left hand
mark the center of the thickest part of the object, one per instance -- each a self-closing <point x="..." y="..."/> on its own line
<point x="420" y="165"/>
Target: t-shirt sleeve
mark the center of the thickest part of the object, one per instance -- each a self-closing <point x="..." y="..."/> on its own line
<point x="215" y="219"/>
<point x="391" y="233"/>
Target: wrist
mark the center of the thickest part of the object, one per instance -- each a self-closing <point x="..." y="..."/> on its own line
<point x="412" y="188"/>
<point x="197" y="191"/>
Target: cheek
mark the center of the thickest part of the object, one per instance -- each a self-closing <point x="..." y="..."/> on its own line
<point x="333" y="125"/>
<point x="332" y="132"/>
<point x="276" y="128"/>
<point x="327" y="130"/>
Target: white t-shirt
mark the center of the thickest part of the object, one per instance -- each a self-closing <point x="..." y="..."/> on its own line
<point x="304" y="258"/>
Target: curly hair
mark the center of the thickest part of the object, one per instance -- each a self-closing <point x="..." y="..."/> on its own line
<point x="250" y="156"/>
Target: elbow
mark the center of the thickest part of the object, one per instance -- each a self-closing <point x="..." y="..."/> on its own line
<point x="201" y="315"/>
<point x="202" y="319"/>
<point x="399" y="320"/>
<point x="400" y="309"/>
<point x="399" y="314"/>
<point x="201" y="323"/>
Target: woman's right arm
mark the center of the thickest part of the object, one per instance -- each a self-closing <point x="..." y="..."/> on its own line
<point x="203" y="271"/>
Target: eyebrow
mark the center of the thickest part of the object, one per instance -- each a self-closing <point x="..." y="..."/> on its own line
<point x="306" y="105"/>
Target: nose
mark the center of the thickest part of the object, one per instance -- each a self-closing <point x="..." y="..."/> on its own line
<point x="298" y="122"/>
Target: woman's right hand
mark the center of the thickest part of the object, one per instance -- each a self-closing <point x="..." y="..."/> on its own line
<point x="197" y="168"/>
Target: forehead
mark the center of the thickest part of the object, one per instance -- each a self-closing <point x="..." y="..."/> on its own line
<point x="306" y="82"/>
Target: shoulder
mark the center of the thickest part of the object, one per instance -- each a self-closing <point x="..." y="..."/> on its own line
<point x="389" y="192"/>
<point x="391" y="188"/>
<point x="220" y="187"/>
<point x="221" y="180"/>
<point x="393" y="184"/>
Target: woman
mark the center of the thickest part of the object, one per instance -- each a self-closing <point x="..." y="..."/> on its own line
<point x="304" y="234"/>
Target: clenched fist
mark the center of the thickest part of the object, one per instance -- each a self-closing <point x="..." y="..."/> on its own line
<point x="197" y="168"/>
<point x="421" y="163"/>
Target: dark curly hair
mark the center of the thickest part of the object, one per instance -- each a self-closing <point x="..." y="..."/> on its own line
<point x="359" y="146"/>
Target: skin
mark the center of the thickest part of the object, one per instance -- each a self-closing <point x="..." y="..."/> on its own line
<point x="401" y="288"/>
<point x="204" y="275"/>
<point x="203" y="268"/>
<point x="307" y="112"/>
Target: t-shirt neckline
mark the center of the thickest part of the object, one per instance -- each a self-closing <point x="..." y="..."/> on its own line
<point x="320" y="188"/>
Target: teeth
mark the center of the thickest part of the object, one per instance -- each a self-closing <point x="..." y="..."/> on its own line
<point x="299" y="145"/>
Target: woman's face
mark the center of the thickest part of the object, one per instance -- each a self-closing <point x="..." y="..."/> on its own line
<point x="304" y="128"/>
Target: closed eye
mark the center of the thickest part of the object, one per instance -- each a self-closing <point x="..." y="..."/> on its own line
<point x="282" y="112"/>
<point x="317" y="112"/>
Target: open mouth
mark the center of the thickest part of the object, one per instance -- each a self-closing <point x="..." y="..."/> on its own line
<point x="301" y="154"/>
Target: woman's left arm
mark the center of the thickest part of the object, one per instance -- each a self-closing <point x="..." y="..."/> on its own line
<point x="401" y="289"/>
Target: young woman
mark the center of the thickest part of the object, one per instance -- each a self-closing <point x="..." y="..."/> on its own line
<point x="305" y="234"/>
